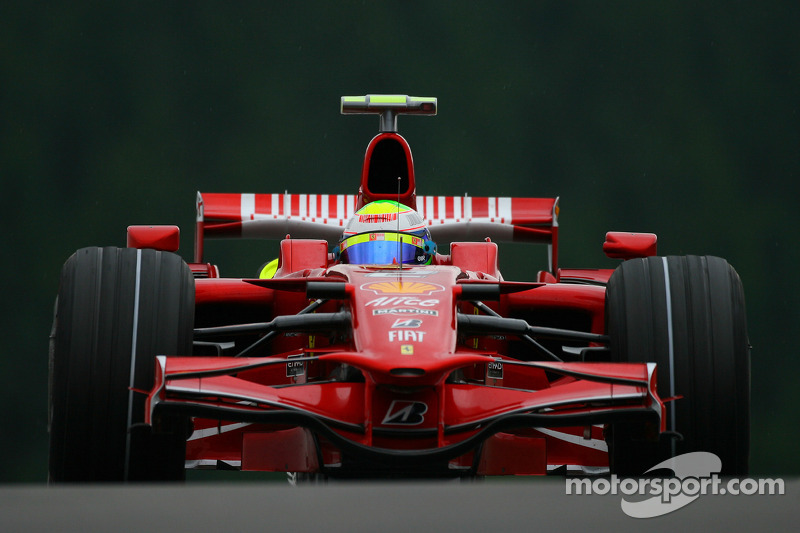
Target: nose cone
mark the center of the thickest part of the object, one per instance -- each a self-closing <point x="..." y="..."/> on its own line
<point x="404" y="320"/>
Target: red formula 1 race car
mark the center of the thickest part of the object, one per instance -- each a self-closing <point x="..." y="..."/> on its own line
<point x="364" y="351"/>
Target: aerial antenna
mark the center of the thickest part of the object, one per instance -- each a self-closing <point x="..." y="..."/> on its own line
<point x="399" y="244"/>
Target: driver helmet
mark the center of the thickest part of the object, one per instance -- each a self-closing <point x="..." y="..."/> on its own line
<point x="386" y="232"/>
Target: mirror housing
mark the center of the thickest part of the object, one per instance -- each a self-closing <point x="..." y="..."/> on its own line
<point x="626" y="245"/>
<point x="162" y="238"/>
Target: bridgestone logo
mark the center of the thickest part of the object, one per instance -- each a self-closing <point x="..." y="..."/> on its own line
<point x="405" y="413"/>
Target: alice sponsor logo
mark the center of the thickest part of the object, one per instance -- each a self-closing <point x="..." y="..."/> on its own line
<point x="385" y="301"/>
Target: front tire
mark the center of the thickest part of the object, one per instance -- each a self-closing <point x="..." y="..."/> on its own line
<point x="116" y="310"/>
<point x="687" y="315"/>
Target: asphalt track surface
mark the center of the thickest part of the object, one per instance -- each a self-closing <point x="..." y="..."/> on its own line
<point x="528" y="505"/>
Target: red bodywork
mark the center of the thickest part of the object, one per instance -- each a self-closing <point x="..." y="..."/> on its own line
<point x="411" y="384"/>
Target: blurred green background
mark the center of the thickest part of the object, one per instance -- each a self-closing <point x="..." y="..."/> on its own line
<point x="674" y="118"/>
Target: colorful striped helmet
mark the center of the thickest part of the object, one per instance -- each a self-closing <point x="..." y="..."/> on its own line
<point x="386" y="232"/>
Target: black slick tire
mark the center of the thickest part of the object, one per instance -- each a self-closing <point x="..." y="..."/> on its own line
<point x="116" y="310"/>
<point x="687" y="315"/>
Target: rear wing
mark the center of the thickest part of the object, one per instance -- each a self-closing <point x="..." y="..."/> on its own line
<point x="323" y="216"/>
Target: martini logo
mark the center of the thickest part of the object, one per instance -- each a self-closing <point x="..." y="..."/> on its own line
<point x="405" y="413"/>
<point x="402" y="287"/>
<point x="405" y="311"/>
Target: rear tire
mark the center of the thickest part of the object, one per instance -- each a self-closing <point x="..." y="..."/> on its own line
<point x="116" y="310"/>
<point x="705" y="362"/>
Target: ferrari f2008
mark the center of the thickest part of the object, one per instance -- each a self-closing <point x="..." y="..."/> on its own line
<point x="385" y="342"/>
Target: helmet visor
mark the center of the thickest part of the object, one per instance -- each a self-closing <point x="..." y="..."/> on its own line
<point x="385" y="249"/>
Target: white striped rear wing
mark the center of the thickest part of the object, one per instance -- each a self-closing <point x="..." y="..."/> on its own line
<point x="322" y="216"/>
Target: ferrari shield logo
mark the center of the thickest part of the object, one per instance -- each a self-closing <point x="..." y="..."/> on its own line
<point x="405" y="413"/>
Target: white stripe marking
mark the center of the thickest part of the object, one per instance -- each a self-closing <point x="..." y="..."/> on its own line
<point x="504" y="209"/>
<point x="275" y="205"/>
<point x="671" y="349"/>
<point x="200" y="463"/>
<point x="430" y="210"/>
<point x="248" y="206"/>
<point x="210" y="432"/>
<point x="133" y="360"/>
<point x="594" y="444"/>
<point x="340" y="208"/>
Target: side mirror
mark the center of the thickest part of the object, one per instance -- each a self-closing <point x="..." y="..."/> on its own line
<point x="624" y="245"/>
<point x="163" y="238"/>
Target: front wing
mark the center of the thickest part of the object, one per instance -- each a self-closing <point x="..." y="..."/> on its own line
<point x="448" y="428"/>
